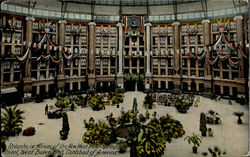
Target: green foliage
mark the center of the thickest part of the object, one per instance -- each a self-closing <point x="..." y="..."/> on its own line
<point x="120" y="90"/>
<point x="101" y="133"/>
<point x="176" y="91"/>
<point x="203" y="124"/>
<point x="216" y="151"/>
<point x="116" y="98"/>
<point x="113" y="122"/>
<point x="97" y="102"/>
<point x="91" y="92"/>
<point x="238" y="114"/>
<point x="195" y="139"/>
<point x="127" y="77"/>
<point x="182" y="106"/>
<point x="62" y="103"/>
<point x="126" y="117"/>
<point x="213" y="117"/>
<point x="148" y="102"/>
<point x="11" y="121"/>
<point x="90" y="124"/>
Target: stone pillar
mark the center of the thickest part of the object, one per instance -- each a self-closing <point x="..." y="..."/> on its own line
<point x="176" y="47"/>
<point x="206" y="43"/>
<point x="120" y="59"/>
<point x="91" y="55"/>
<point x="61" y="37"/>
<point x="148" y="74"/>
<point x="240" y="41"/>
<point x="61" y="44"/>
<point x="28" y="39"/>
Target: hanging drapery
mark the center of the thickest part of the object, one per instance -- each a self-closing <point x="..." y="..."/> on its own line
<point x="218" y="41"/>
<point x="41" y="41"/>
<point x="214" y="61"/>
<point x="202" y="56"/>
<point x="223" y="57"/>
<point x="232" y="63"/>
<point x="51" y="42"/>
<point x="67" y="57"/>
<point x="242" y="53"/>
<point x="44" y="57"/>
<point x="24" y="57"/>
<point x="228" y="43"/>
<point x="55" y="61"/>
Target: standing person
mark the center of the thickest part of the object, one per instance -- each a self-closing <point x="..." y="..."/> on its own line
<point x="46" y="109"/>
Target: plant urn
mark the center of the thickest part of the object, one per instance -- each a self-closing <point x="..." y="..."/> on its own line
<point x="117" y="106"/>
<point x="195" y="149"/>
<point x="239" y="121"/>
<point x="204" y="133"/>
<point x="217" y="120"/>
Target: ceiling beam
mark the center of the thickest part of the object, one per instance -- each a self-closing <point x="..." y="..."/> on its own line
<point x="204" y="7"/>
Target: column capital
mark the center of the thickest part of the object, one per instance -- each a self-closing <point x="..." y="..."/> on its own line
<point x="239" y="17"/>
<point x="148" y="24"/>
<point x="62" y="21"/>
<point x="175" y="23"/>
<point x="206" y="21"/>
<point x="120" y="24"/>
<point x="29" y="18"/>
<point x="92" y="23"/>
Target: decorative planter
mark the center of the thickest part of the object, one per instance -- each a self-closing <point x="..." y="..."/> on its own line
<point x="63" y="134"/>
<point x="239" y="121"/>
<point x="195" y="149"/>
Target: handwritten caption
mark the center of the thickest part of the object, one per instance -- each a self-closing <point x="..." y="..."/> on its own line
<point x="60" y="149"/>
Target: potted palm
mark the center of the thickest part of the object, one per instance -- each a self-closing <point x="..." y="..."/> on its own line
<point x="196" y="140"/>
<point x="239" y="115"/>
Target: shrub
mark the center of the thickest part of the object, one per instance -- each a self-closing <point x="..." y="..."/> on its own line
<point x="213" y="117"/>
<point x="101" y="133"/>
<point x="97" y="103"/>
<point x="182" y="106"/>
<point x="62" y="103"/>
<point x="30" y="131"/>
<point x="11" y="121"/>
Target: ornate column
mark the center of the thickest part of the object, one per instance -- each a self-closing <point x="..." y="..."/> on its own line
<point x="28" y="39"/>
<point x="61" y="45"/>
<point x="176" y="47"/>
<point x="120" y="59"/>
<point x="206" y="43"/>
<point x="148" y="74"/>
<point x="61" y="37"/>
<point x="91" y="55"/>
<point x="240" y="41"/>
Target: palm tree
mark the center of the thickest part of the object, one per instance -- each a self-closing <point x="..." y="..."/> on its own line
<point x="11" y="121"/>
<point x="239" y="115"/>
<point x="195" y="139"/>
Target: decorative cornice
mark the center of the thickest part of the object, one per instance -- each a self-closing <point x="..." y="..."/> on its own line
<point x="62" y="21"/>
<point x="206" y="21"/>
<point x="147" y="24"/>
<point x="239" y="17"/>
<point x="92" y="23"/>
<point x="120" y="24"/>
<point x="176" y="23"/>
<point x="30" y="18"/>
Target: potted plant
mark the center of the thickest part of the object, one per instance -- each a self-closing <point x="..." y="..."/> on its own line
<point x="122" y="146"/>
<point x="216" y="151"/>
<point x="239" y="115"/>
<point x="210" y="132"/>
<point x="196" y="140"/>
